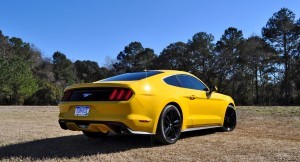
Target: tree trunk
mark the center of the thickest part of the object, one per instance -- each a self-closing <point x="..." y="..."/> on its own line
<point x="204" y="71"/>
<point x="286" y="71"/>
<point x="262" y="90"/>
<point x="233" y="87"/>
<point x="256" y="87"/>
<point x="298" y="97"/>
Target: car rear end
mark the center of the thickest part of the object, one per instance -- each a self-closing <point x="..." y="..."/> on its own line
<point x="117" y="106"/>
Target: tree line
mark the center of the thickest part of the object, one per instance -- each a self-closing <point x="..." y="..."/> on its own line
<point x="259" y="70"/>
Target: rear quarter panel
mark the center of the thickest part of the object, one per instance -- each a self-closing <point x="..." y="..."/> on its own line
<point x="154" y="94"/>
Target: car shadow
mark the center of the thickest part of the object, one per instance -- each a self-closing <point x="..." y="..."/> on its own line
<point x="79" y="145"/>
<point x="199" y="133"/>
<point x="74" y="146"/>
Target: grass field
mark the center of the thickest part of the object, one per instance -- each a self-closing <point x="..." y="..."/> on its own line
<point x="262" y="134"/>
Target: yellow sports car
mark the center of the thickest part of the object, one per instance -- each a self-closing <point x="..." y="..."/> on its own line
<point x="163" y="103"/>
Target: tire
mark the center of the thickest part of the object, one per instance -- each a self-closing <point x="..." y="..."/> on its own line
<point x="229" y="119"/>
<point x="169" y="125"/>
<point x="94" y="134"/>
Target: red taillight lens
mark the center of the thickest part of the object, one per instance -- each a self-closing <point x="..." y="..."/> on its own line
<point x="113" y="94"/>
<point x="128" y="95"/>
<point x="120" y="94"/>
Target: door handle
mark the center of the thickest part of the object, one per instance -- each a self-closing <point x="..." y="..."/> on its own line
<point x="192" y="97"/>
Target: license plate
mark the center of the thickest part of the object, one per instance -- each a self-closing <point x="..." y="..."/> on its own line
<point x="82" y="110"/>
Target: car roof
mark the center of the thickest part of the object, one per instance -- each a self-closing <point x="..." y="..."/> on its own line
<point x="164" y="73"/>
<point x="172" y="72"/>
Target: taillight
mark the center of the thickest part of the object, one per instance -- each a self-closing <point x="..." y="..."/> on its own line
<point x="98" y="94"/>
<point x="120" y="94"/>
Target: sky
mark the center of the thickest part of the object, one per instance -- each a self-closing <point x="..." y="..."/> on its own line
<point x="97" y="29"/>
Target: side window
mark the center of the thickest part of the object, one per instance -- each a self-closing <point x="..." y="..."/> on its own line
<point x="172" y="80"/>
<point x="191" y="82"/>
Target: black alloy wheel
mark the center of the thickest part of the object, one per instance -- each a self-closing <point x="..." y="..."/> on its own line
<point x="229" y="119"/>
<point x="169" y="125"/>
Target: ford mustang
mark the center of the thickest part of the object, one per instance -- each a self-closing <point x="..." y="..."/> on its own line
<point x="162" y="103"/>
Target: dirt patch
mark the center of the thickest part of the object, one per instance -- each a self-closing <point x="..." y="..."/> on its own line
<point x="262" y="134"/>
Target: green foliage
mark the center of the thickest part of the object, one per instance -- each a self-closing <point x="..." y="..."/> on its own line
<point x="48" y="94"/>
<point x="63" y="69"/>
<point x="258" y="62"/>
<point x="175" y="56"/>
<point x="4" y="46"/>
<point x="229" y="60"/>
<point x="134" y="58"/>
<point x="282" y="31"/>
<point x="145" y="60"/>
<point x="201" y="49"/>
<point x="88" y="71"/>
<point x="16" y="80"/>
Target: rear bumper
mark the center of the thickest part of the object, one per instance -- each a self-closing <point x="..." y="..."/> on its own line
<point x="98" y="126"/>
<point x="139" y="115"/>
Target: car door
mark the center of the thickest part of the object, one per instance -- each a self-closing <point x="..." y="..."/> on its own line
<point x="204" y="108"/>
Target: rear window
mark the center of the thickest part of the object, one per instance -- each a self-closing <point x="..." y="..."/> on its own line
<point x="132" y="76"/>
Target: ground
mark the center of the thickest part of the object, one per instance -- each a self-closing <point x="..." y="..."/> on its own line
<point x="262" y="134"/>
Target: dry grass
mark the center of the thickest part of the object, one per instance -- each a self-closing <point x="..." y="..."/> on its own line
<point x="262" y="134"/>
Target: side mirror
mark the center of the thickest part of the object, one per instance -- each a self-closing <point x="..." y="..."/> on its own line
<point x="213" y="89"/>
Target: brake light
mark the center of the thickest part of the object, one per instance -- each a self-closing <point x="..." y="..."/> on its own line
<point x="120" y="94"/>
<point x="98" y="94"/>
<point x="113" y="94"/>
<point x="128" y="95"/>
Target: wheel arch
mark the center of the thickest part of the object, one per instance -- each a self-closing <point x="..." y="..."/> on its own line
<point x="231" y="104"/>
<point x="178" y="106"/>
<point x="181" y="109"/>
<point x="230" y="107"/>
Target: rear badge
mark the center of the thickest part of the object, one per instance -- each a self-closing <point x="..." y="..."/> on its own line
<point x="86" y="95"/>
